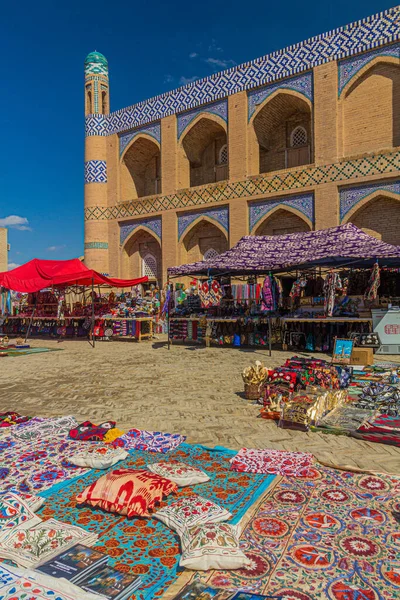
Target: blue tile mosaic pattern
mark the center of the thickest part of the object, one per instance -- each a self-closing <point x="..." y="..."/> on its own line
<point x="349" y="197"/>
<point x="220" y="214"/>
<point x="152" y="223"/>
<point x="126" y="138"/>
<point x="349" y="67"/>
<point x="304" y="203"/>
<point x="96" y="245"/>
<point x="96" y="171"/>
<point x="360" y="36"/>
<point x="302" y="84"/>
<point x="217" y="108"/>
<point x="96" y="125"/>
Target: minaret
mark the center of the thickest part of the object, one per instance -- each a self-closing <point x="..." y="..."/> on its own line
<point x="97" y="107"/>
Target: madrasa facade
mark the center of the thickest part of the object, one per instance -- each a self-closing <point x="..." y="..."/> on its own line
<point x="304" y="138"/>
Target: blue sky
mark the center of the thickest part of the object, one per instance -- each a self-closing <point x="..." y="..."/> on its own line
<point x="151" y="47"/>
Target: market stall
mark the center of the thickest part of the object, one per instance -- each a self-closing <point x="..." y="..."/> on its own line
<point x="302" y="290"/>
<point x="66" y="299"/>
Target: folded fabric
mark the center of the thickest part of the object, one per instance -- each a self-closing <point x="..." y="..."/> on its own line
<point x="127" y="492"/>
<point x="274" y="462"/>
<point x="150" y="441"/>
<point x="40" y="428"/>
<point x="8" y="419"/>
<point x="381" y="424"/>
<point x="88" y="432"/>
<point x="212" y="546"/>
<point x="14" y="512"/>
<point x="99" y="457"/>
<point x="113" y="434"/>
<point x="16" y="583"/>
<point x="191" y="510"/>
<point x="32" y="547"/>
<point x="32" y="502"/>
<point x="181" y="473"/>
<point x="347" y="418"/>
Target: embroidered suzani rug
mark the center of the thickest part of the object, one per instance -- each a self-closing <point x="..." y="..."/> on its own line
<point x="145" y="546"/>
<point x="34" y="455"/>
<point x="331" y="538"/>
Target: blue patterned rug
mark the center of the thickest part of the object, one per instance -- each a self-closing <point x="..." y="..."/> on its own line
<point x="145" y="546"/>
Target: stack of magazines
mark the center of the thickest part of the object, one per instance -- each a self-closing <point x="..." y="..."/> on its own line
<point x="88" y="568"/>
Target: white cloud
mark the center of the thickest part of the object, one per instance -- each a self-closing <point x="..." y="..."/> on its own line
<point x="55" y="248"/>
<point x="15" y="222"/>
<point x="222" y="64"/>
<point x="193" y="55"/>
<point x="12" y="265"/>
<point x="186" y="80"/>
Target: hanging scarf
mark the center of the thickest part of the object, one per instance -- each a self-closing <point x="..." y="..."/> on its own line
<point x="270" y="294"/>
<point x="373" y="284"/>
<point x="332" y="284"/>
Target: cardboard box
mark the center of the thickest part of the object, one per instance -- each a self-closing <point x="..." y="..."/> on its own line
<point x="362" y="356"/>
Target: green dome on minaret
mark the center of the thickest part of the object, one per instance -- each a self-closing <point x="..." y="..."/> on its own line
<point x="96" y="63"/>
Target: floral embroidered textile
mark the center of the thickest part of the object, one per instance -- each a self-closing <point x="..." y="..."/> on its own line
<point x="150" y="441"/>
<point x="274" y="462"/>
<point x="193" y="510"/>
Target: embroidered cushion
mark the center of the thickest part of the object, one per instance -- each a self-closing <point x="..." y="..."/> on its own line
<point x="211" y="546"/>
<point x="192" y="510"/>
<point x="127" y="492"/>
<point x="98" y="457"/>
<point x="179" y="472"/>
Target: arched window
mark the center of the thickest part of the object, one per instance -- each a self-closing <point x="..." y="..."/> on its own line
<point x="88" y="100"/>
<point x="104" y="103"/>
<point x="223" y="155"/>
<point x="298" y="137"/>
<point x="210" y="254"/>
<point x="149" y="266"/>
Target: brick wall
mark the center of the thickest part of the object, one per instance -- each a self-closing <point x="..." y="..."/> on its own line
<point x="362" y="121"/>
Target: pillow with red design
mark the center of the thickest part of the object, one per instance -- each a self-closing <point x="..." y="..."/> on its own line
<point x="191" y="510"/>
<point x="127" y="492"/>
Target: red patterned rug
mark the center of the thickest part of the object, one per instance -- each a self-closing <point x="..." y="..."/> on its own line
<point x="330" y="538"/>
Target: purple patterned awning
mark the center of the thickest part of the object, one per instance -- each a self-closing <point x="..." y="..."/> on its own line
<point x="336" y="246"/>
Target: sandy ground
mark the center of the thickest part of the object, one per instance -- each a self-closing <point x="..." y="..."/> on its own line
<point x="189" y="390"/>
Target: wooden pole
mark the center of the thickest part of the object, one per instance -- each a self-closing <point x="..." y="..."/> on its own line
<point x="93" y="340"/>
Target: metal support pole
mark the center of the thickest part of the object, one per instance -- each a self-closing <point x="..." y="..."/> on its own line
<point x="93" y="340"/>
<point x="30" y="323"/>
<point x="269" y="336"/>
<point x="168" y="311"/>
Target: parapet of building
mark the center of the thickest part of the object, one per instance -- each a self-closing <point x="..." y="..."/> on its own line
<point x="304" y="138"/>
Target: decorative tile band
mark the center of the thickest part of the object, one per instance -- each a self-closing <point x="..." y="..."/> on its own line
<point x="96" y="125"/>
<point x="350" y="197"/>
<point x="304" y="203"/>
<point x="256" y="186"/>
<point x="360" y="36"/>
<point x="218" y="108"/>
<point x="302" y="84"/>
<point x="96" y="246"/>
<point x="96" y="171"/>
<point x="349" y="67"/>
<point x="153" y="223"/>
<point x="126" y="138"/>
<point x="220" y="215"/>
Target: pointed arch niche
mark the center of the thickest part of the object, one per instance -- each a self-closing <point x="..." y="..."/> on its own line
<point x="202" y="238"/>
<point x="379" y="216"/>
<point x="369" y="108"/>
<point x="141" y="255"/>
<point x="141" y="168"/>
<point x="199" y="150"/>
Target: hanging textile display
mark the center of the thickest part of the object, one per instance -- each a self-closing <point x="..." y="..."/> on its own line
<point x="210" y="293"/>
<point x="270" y="294"/>
<point x="297" y="287"/>
<point x="332" y="285"/>
<point x="371" y="292"/>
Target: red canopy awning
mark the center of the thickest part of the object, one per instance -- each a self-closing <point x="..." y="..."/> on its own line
<point x="37" y="275"/>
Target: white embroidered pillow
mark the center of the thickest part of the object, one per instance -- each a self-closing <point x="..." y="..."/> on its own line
<point x="98" y="457"/>
<point x="212" y="546"/>
<point x="180" y="473"/>
<point x="192" y="510"/>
